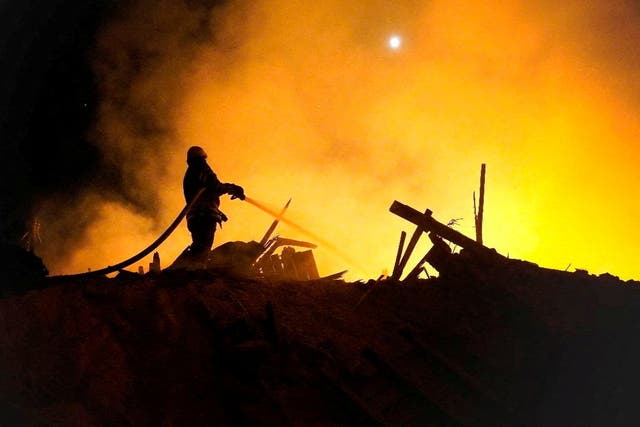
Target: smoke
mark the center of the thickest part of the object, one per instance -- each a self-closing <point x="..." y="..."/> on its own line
<point x="292" y="99"/>
<point x="139" y="61"/>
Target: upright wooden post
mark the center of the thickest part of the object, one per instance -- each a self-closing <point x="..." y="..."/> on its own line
<point x="395" y="274"/>
<point x="480" y="215"/>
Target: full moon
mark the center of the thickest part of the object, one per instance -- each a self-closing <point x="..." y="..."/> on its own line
<point x="395" y="42"/>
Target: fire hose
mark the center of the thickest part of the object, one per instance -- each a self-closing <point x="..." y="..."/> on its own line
<point x="181" y="215"/>
<point x="148" y="249"/>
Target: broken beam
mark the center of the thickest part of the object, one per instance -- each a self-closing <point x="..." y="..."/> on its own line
<point x="273" y="225"/>
<point x="396" y="267"/>
<point x="410" y="247"/>
<point x="427" y="223"/>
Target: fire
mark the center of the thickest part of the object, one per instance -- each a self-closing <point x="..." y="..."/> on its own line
<point x="300" y="100"/>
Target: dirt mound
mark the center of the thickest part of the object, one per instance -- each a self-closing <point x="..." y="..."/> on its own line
<point x="514" y="345"/>
<point x="19" y="270"/>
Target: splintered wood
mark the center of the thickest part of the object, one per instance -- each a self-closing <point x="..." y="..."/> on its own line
<point x="427" y="223"/>
<point x="290" y="265"/>
<point x="437" y="230"/>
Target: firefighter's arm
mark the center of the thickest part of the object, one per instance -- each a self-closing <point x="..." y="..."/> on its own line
<point x="235" y="191"/>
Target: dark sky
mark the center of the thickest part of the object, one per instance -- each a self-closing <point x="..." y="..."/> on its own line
<point x="47" y="102"/>
<point x="63" y="65"/>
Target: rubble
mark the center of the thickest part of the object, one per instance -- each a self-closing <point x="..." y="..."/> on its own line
<point x="20" y="270"/>
<point x="438" y="256"/>
<point x="154" y="265"/>
<point x="258" y="339"/>
<point x="508" y="344"/>
<point x="259" y="259"/>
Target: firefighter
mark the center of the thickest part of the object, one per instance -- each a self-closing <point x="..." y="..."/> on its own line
<point x="205" y="214"/>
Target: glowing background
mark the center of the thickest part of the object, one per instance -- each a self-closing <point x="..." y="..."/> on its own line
<point x="293" y="99"/>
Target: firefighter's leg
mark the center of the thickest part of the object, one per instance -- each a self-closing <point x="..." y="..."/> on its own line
<point x="202" y="233"/>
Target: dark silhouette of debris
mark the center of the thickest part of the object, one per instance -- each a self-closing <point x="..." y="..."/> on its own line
<point x="20" y="270"/>
<point x="479" y="215"/>
<point x="490" y="342"/>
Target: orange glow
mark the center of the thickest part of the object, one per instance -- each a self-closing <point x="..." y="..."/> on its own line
<point x="301" y="100"/>
<point x="300" y="229"/>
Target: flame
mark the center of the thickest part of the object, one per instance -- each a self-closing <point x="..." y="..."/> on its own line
<point x="294" y="99"/>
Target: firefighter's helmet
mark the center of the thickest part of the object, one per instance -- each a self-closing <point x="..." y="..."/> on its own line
<point x="196" y="152"/>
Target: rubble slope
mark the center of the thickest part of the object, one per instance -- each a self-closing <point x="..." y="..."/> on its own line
<point x="483" y="346"/>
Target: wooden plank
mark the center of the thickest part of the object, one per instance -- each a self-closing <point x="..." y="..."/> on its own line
<point x="411" y="246"/>
<point x="428" y="223"/>
<point x="479" y="218"/>
<point x="396" y="265"/>
<point x="289" y="263"/>
<point x="415" y="272"/>
<point x="273" y="225"/>
<point x="306" y="265"/>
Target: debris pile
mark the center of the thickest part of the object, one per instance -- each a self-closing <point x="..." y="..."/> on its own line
<point x="290" y="264"/>
<point x="20" y="270"/>
<point x="439" y="256"/>
<point x="256" y="338"/>
<point x="272" y="258"/>
<point x="489" y="344"/>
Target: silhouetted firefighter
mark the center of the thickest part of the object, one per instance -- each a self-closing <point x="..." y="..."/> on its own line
<point x="205" y="214"/>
